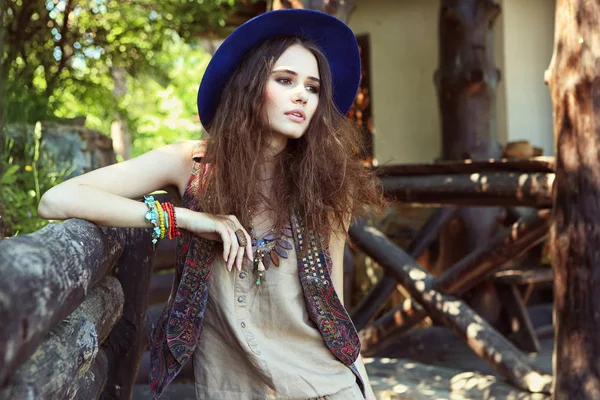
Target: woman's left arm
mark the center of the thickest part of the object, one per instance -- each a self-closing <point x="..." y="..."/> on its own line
<point x="337" y="242"/>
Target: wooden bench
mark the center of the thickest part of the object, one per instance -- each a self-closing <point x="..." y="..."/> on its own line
<point x="514" y="286"/>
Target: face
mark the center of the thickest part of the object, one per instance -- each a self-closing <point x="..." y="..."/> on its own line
<point x="292" y="94"/>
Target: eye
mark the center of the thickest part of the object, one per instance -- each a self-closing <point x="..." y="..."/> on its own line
<point x="312" y="88"/>
<point x="284" y="81"/>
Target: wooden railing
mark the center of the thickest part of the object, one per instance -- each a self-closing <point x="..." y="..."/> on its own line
<point x="73" y="302"/>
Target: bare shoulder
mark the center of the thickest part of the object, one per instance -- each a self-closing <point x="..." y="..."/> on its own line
<point x="182" y="156"/>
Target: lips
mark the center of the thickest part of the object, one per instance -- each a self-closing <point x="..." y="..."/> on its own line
<point x="296" y="115"/>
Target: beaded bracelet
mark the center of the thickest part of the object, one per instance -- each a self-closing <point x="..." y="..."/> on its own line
<point x="173" y="231"/>
<point x="169" y="217"/>
<point x="162" y="217"/>
<point x="152" y="217"/>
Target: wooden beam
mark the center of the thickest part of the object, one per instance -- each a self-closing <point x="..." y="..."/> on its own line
<point x="70" y="350"/>
<point x="481" y="337"/>
<point x="45" y="277"/>
<point x="485" y="189"/>
<point x="386" y="285"/>
<point x="91" y="384"/>
<point x="574" y="81"/>
<point x="128" y="339"/>
<point x="539" y="164"/>
<point x="165" y="255"/>
<point x="461" y="277"/>
<point x="160" y="288"/>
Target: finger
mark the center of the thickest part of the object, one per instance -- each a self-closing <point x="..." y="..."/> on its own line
<point x="240" y="258"/>
<point x="225" y="238"/>
<point x="233" y="250"/>
<point x="248" y="246"/>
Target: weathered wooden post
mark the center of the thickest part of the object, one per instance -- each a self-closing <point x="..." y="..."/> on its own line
<point x="467" y="78"/>
<point x="574" y="81"/>
<point x="466" y="81"/>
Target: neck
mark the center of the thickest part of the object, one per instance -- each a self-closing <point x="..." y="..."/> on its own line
<point x="267" y="170"/>
<point x="277" y="144"/>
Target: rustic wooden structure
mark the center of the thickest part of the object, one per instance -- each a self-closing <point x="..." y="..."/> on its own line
<point x="574" y="80"/>
<point x="464" y="275"/>
<point x="451" y="311"/>
<point x="73" y="311"/>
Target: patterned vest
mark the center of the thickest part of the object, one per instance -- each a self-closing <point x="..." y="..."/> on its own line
<point x="175" y="336"/>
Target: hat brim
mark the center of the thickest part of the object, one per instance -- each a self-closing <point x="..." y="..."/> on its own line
<point x="336" y="40"/>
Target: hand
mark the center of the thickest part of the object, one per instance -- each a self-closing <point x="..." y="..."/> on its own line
<point x="218" y="227"/>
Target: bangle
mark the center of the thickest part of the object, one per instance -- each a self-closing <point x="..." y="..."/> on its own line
<point x="169" y="213"/>
<point x="161" y="219"/>
<point x="172" y="229"/>
<point x="176" y="232"/>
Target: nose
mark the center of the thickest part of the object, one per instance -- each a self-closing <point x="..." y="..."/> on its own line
<point x="300" y="96"/>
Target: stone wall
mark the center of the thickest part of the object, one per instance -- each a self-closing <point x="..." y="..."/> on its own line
<point x="68" y="143"/>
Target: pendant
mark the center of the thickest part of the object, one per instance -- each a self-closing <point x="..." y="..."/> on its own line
<point x="259" y="269"/>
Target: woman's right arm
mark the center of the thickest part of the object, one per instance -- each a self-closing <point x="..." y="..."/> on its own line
<point x="104" y="196"/>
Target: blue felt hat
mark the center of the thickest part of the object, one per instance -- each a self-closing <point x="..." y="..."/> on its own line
<point x="336" y="40"/>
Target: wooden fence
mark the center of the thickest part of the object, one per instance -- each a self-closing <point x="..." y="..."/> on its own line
<point x="73" y="302"/>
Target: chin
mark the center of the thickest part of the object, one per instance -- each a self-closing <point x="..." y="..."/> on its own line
<point x="296" y="135"/>
<point x="292" y="133"/>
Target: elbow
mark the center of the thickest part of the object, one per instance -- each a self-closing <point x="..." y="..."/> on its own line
<point x="47" y="208"/>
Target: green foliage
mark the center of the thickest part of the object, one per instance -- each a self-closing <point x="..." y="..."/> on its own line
<point x="26" y="172"/>
<point x="64" y="52"/>
<point x="138" y="59"/>
<point x="169" y="114"/>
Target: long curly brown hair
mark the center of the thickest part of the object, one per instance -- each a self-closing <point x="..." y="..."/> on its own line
<point x="318" y="176"/>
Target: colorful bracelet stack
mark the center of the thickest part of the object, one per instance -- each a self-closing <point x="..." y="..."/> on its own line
<point x="162" y="217"/>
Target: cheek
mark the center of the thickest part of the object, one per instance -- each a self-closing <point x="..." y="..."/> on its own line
<point x="313" y="105"/>
<point x="272" y="94"/>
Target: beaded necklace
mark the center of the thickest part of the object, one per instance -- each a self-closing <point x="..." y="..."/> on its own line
<point x="267" y="249"/>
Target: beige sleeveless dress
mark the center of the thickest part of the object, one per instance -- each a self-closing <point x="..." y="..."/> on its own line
<point x="263" y="345"/>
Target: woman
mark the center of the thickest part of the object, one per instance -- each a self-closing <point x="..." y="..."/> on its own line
<point x="264" y="216"/>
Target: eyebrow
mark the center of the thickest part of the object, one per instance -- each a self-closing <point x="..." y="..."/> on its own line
<point x="289" y="71"/>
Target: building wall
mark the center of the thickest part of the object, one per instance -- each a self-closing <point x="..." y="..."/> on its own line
<point x="528" y="45"/>
<point x="404" y="56"/>
<point x="403" y="60"/>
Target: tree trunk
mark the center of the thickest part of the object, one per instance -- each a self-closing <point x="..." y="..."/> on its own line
<point x="119" y="129"/>
<point x="466" y="83"/>
<point x="45" y="277"/>
<point x="338" y="8"/>
<point x="70" y="350"/>
<point x="467" y="78"/>
<point x="574" y="80"/>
